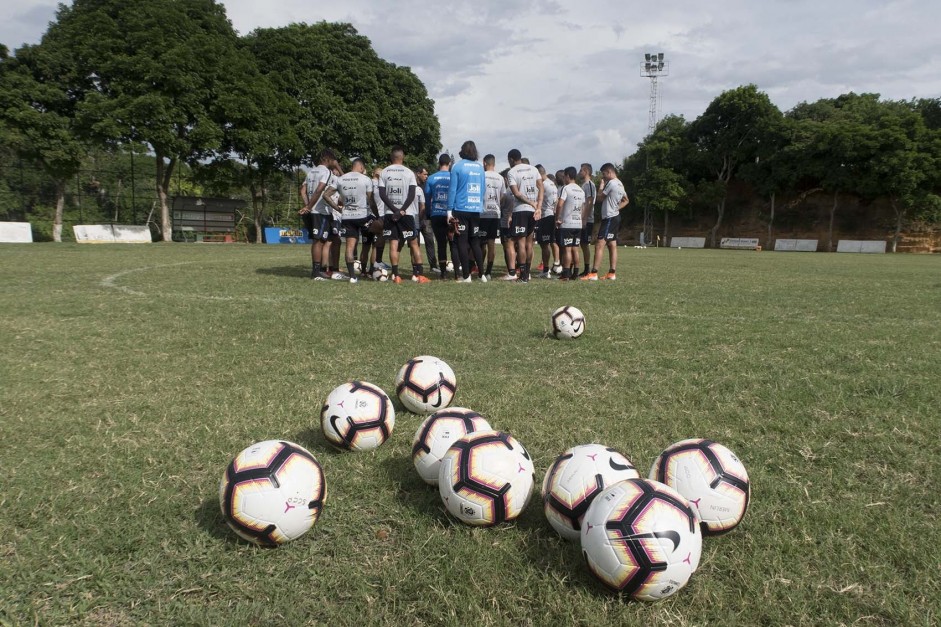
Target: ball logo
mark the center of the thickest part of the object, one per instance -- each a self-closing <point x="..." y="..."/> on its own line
<point x="672" y="536"/>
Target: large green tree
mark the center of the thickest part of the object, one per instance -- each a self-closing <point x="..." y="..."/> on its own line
<point x="37" y="110"/>
<point x="149" y="72"/>
<point x="349" y="98"/>
<point x="729" y="134"/>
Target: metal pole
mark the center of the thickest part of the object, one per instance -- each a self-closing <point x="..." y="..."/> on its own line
<point x="133" y="185"/>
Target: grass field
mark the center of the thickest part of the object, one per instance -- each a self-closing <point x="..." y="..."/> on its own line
<point x="131" y="375"/>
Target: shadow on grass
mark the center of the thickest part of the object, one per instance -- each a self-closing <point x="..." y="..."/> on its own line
<point x="209" y="519"/>
<point x="314" y="441"/>
<point x="294" y="272"/>
<point x="412" y="492"/>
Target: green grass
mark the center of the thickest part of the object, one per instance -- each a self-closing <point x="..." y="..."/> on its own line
<point x="131" y="375"/>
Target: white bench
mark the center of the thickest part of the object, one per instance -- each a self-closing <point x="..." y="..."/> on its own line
<point x="16" y="233"/>
<point x="861" y="246"/>
<point x="739" y="243"/>
<point x="796" y="245"/>
<point x="688" y="242"/>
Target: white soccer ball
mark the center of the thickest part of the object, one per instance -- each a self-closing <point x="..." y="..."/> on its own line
<point x="557" y="269"/>
<point x="450" y="266"/>
<point x="357" y="416"/>
<point x="486" y="478"/>
<point x="380" y="274"/>
<point x="575" y="478"/>
<point x="568" y="323"/>
<point x="272" y="492"/>
<point x="711" y="477"/>
<point x="436" y="435"/>
<point x="642" y="538"/>
<point x="425" y="384"/>
<point x="357" y="266"/>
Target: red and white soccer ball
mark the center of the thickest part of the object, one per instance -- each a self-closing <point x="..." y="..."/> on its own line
<point x="711" y="477"/>
<point x="425" y="384"/>
<point x="568" y="323"/>
<point x="357" y="416"/>
<point x="486" y="478"/>
<point x="642" y="538"/>
<point x="436" y="435"/>
<point x="575" y="478"/>
<point x="272" y="492"/>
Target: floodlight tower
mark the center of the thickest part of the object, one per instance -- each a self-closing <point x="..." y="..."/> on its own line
<point x="653" y="67"/>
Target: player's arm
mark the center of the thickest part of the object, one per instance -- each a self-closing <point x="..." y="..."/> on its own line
<point x="587" y="208"/>
<point x="559" y="205"/>
<point x="409" y="199"/>
<point x="421" y="210"/>
<point x="624" y="202"/>
<point x="314" y="197"/>
<point x="452" y="192"/>
<point x="540" y="193"/>
<point x="328" y="194"/>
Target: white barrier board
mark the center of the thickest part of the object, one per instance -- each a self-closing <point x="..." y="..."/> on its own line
<point x="131" y="234"/>
<point x="111" y="234"/>
<point x="688" y="242"/>
<point x="861" y="246"/>
<point x="16" y="233"/>
<point x="739" y="243"/>
<point x="796" y="245"/>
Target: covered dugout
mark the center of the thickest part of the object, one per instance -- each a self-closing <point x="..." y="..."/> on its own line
<point x="198" y="219"/>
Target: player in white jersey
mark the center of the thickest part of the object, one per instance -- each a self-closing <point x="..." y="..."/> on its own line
<point x="525" y="185"/>
<point x="336" y="230"/>
<point x="613" y="200"/>
<point x="490" y="218"/>
<point x="569" y="219"/>
<point x="398" y="189"/>
<point x="356" y="194"/>
<point x="317" y="212"/>
<point x="545" y="228"/>
<point x="591" y="193"/>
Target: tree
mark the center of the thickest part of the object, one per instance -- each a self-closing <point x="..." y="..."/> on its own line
<point x="38" y="112"/>
<point x="656" y="173"/>
<point x="150" y="72"/>
<point x="349" y="98"/>
<point x="727" y="135"/>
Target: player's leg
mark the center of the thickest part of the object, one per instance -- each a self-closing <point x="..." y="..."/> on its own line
<point x="439" y="228"/>
<point x="475" y="247"/>
<point x="410" y="234"/>
<point x="429" y="236"/>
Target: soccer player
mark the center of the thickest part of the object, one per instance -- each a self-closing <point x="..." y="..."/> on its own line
<point x="490" y="218"/>
<point x="397" y="189"/>
<point x="356" y="192"/>
<point x="506" y="230"/>
<point x="436" y="194"/>
<point x="569" y="219"/>
<point x="379" y="211"/>
<point x="613" y="200"/>
<point x="588" y="185"/>
<point x="317" y="212"/>
<point x="421" y="176"/>
<point x="336" y="228"/>
<point x="526" y="187"/>
<point x="466" y="200"/>
<point x="545" y="228"/>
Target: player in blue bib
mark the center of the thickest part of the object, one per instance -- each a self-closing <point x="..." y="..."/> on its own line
<point x="466" y="204"/>
<point x="436" y="196"/>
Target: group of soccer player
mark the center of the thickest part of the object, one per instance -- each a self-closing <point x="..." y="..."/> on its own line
<point x="461" y="209"/>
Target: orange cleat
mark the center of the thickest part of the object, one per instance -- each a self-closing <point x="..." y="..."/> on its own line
<point x="591" y="276"/>
<point x="422" y="279"/>
<point x="397" y="279"/>
<point x="610" y="276"/>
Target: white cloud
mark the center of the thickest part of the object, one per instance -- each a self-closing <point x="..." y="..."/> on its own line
<point x="561" y="81"/>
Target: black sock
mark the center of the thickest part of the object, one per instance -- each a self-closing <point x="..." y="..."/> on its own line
<point x="511" y="271"/>
<point x="318" y="268"/>
<point x="349" y="269"/>
<point x="395" y="270"/>
<point x="566" y="273"/>
<point x="444" y="267"/>
<point x="417" y="269"/>
<point x="489" y="267"/>
<point x="594" y="270"/>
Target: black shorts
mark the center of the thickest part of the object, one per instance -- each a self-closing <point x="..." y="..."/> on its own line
<point x="402" y="229"/>
<point x="489" y="228"/>
<point x="570" y="237"/>
<point x="319" y="226"/>
<point x="506" y="233"/>
<point x="523" y="224"/>
<point x="545" y="230"/>
<point x="468" y="222"/>
<point x="608" y="231"/>
<point x="356" y="228"/>
<point x="587" y="233"/>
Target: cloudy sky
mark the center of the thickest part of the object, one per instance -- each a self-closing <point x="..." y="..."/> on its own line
<point x="560" y="81"/>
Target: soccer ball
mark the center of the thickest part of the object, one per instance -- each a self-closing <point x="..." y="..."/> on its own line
<point x="450" y="266"/>
<point x="486" y="478"/>
<point x="272" y="492"/>
<point x="357" y="416"/>
<point x="425" y="384"/>
<point x="711" y="477"/>
<point x="642" y="538"/>
<point x="557" y="269"/>
<point x="380" y="274"/>
<point x="575" y="478"/>
<point x="437" y="433"/>
<point x="357" y="266"/>
<point x="568" y="323"/>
